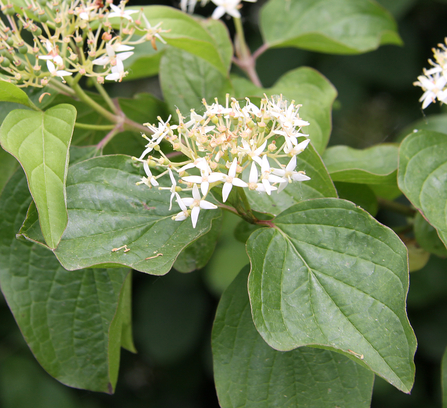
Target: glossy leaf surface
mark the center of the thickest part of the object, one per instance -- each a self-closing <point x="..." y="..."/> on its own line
<point x="332" y="26"/>
<point x="187" y="79"/>
<point x="74" y="322"/>
<point x="11" y="93"/>
<point x="106" y="210"/>
<point x="249" y="373"/>
<point x="375" y="165"/>
<point x="185" y="33"/>
<point x="40" y="142"/>
<point x="423" y="176"/>
<point x="330" y="275"/>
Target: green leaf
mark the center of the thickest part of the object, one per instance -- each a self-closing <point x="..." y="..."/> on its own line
<point x="197" y="254"/>
<point x="332" y="26"/>
<point x="444" y="379"/>
<point x="360" y="194"/>
<point x="145" y="61"/>
<point x="106" y="210"/>
<point x="375" y="165"/>
<point x="331" y="276"/>
<point x="435" y="123"/>
<point x="308" y="88"/>
<point x="423" y="176"/>
<point x="11" y="93"/>
<point x="248" y="373"/>
<point x="8" y="165"/>
<point x="427" y="237"/>
<point x="67" y="318"/>
<point x="40" y="142"/>
<point x="219" y="31"/>
<point x="187" y="79"/>
<point x="185" y="33"/>
<point x="320" y="185"/>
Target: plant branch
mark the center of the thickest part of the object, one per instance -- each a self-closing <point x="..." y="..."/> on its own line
<point x="244" y="59"/>
<point x="94" y="127"/>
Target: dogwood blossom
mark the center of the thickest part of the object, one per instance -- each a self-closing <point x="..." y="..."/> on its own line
<point x="220" y="144"/>
<point x="434" y="80"/>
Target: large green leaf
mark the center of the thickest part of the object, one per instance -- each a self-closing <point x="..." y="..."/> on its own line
<point x="187" y="79"/>
<point x="185" y="33"/>
<point x="145" y="61"/>
<point x="330" y="275"/>
<point x="308" y="88"/>
<point x="423" y="176"/>
<point x="74" y="323"/>
<point x="40" y="142"/>
<point x="426" y="236"/>
<point x="375" y="165"/>
<point x="219" y="32"/>
<point x="8" y="165"/>
<point x="11" y="93"/>
<point x="320" y="185"/>
<point x="332" y="26"/>
<point x="106" y="210"/>
<point x="248" y="373"/>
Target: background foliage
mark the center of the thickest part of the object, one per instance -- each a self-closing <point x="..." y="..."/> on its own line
<point x="173" y="315"/>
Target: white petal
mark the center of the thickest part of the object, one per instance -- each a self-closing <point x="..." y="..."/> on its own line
<point x="123" y="47"/>
<point x="206" y="205"/>
<point x="195" y="192"/>
<point x="204" y="187"/>
<point x="188" y="201"/>
<point x="233" y="167"/>
<point x="239" y="183"/>
<point x="226" y="191"/>
<point x="123" y="56"/>
<point x="101" y="61"/>
<point x="195" y="216"/>
<point x="253" y="177"/>
<point x="192" y="179"/>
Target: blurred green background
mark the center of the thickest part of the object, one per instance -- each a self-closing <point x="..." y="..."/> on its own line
<point x="173" y="315"/>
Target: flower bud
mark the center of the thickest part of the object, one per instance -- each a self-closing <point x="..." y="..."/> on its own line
<point x="23" y="49"/>
<point x="5" y="62"/>
<point x="10" y="41"/>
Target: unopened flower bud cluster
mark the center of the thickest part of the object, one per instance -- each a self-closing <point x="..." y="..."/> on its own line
<point x="220" y="145"/>
<point x="434" y="80"/>
<point x="71" y="37"/>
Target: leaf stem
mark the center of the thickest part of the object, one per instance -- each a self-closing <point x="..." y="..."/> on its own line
<point x="90" y="102"/>
<point x="244" y="59"/>
<point x="94" y="127"/>
<point x="105" y="96"/>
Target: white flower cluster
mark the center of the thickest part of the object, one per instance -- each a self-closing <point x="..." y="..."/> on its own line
<point x="72" y="37"/>
<point x="220" y="144"/>
<point x="230" y="7"/>
<point x="434" y="80"/>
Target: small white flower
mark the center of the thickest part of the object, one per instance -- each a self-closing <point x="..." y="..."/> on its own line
<point x="172" y="189"/>
<point x="267" y="177"/>
<point x="196" y="203"/>
<point x="184" y="214"/>
<point x="253" y="180"/>
<point x="52" y="55"/>
<point x="433" y="87"/>
<point x="54" y="72"/>
<point x="115" y="60"/>
<point x="120" y="12"/>
<point x="289" y="174"/>
<point x="227" y="6"/>
<point x="231" y="180"/>
<point x="205" y="179"/>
